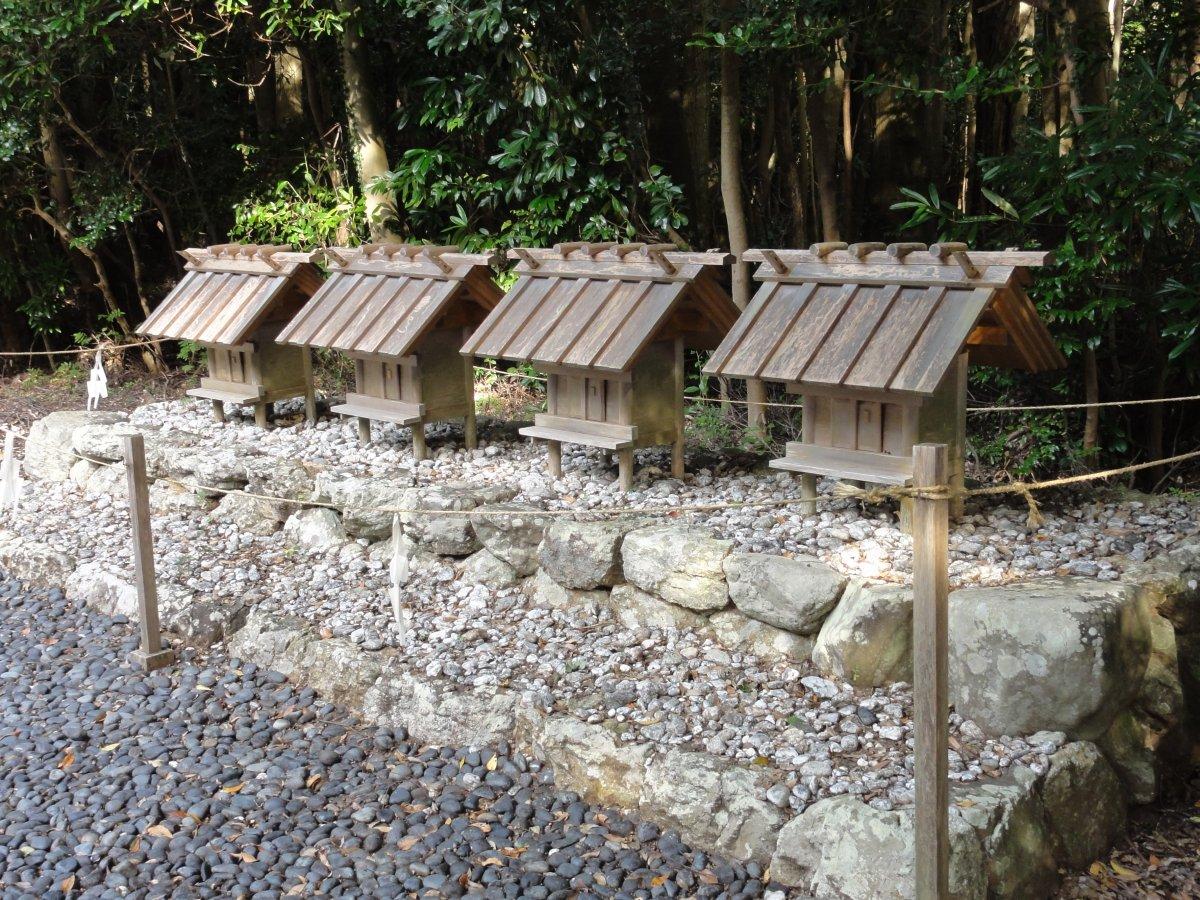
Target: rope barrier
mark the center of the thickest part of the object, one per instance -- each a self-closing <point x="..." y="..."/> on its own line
<point x="970" y="409"/>
<point x="841" y="491"/>
<point x="82" y="351"/>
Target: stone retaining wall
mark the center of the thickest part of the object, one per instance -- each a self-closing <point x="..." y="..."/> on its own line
<point x="1108" y="672"/>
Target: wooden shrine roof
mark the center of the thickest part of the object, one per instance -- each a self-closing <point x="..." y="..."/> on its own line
<point x="227" y="291"/>
<point x="891" y="320"/>
<point x="597" y="306"/>
<point x="383" y="298"/>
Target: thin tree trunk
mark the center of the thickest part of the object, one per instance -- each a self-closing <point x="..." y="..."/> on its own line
<point x="366" y="128"/>
<point x="260" y="67"/>
<point x="734" y="203"/>
<point x="824" y="108"/>
<point x="1091" y="394"/>
<point x="697" y="120"/>
<point x="792" y="165"/>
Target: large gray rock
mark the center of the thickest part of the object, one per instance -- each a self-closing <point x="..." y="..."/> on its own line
<point x="49" y="447"/>
<point x="717" y="804"/>
<point x="842" y="848"/>
<point x="583" y="555"/>
<point x="486" y="568"/>
<point x="593" y="761"/>
<point x="680" y="564"/>
<point x="1084" y="803"/>
<point x="1009" y="819"/>
<point x="792" y="594"/>
<point x="746" y="635"/>
<point x="360" y="499"/>
<point x="109" y="480"/>
<point x="511" y="531"/>
<point x="1053" y="654"/>
<point x="34" y="561"/>
<point x="636" y="609"/>
<point x="105" y="441"/>
<point x="276" y="477"/>
<point x="545" y="591"/>
<point x="253" y="515"/>
<point x="1130" y="745"/>
<point x="447" y="535"/>
<point x="436" y="713"/>
<point x="1170" y="585"/>
<point x="867" y="639"/>
<point x="315" y="530"/>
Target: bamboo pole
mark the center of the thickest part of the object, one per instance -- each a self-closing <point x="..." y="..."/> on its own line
<point x="150" y="654"/>
<point x="931" y="511"/>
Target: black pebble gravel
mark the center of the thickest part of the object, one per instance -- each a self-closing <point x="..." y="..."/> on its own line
<point x="214" y="778"/>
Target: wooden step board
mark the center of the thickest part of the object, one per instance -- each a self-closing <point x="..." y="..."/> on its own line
<point x="249" y="395"/>
<point x="365" y="407"/>
<point x="565" y="436"/>
<point x="854" y="465"/>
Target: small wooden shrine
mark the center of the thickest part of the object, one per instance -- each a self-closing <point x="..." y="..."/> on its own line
<point x="877" y="340"/>
<point x="401" y="312"/>
<point x="607" y="324"/>
<point x="232" y="301"/>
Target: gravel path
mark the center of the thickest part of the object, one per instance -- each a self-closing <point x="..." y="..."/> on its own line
<point x="217" y="779"/>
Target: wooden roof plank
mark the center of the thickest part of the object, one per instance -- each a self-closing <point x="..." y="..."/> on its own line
<point x="588" y="304"/>
<point x="318" y="309"/>
<point x="222" y="307"/>
<point x="405" y="301"/>
<point x="202" y="305"/>
<point x="197" y="306"/>
<point x="981" y="258"/>
<point x="749" y="317"/>
<point x="373" y="310"/>
<point x="345" y="311"/>
<point x="808" y="332"/>
<point x="182" y="293"/>
<point x="849" y="338"/>
<point x="905" y="319"/>
<point x="418" y="318"/>
<point x="759" y="345"/>
<point x="608" y="323"/>
<point x="940" y="341"/>
<point x="236" y="319"/>
<point x="648" y="313"/>
<point x="544" y="317"/>
<point x="509" y="327"/>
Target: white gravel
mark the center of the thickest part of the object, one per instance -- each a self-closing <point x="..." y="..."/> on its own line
<point x="665" y="686"/>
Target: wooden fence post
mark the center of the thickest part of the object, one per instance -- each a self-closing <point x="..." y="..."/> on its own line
<point x="930" y="669"/>
<point x="150" y="654"/>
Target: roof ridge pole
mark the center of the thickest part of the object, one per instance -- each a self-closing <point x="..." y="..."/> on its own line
<point x="899" y="251"/>
<point x="434" y="255"/>
<point x="566" y="248"/>
<point x="594" y="250"/>
<point x="824" y="248"/>
<point x="958" y="252"/>
<point x="860" y="250"/>
<point x="623" y="250"/>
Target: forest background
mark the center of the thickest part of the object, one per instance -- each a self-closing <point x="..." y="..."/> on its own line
<point x="130" y="129"/>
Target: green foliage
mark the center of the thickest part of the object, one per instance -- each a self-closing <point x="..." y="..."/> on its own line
<point x="304" y="211"/>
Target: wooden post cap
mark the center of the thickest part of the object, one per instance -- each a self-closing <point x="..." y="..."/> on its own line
<point x="775" y="262"/>
<point x="526" y="257"/>
<point x="861" y="249"/>
<point x="899" y="251"/>
<point x="824" y="248"/>
<point x="655" y="252"/>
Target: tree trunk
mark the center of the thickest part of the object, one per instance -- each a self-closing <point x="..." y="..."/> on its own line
<point x="733" y="201"/>
<point x="1091" y="394"/>
<point x="825" y="109"/>
<point x="366" y="129"/>
<point x="697" y="120"/>
<point x="794" y="166"/>
<point x="260" y="68"/>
